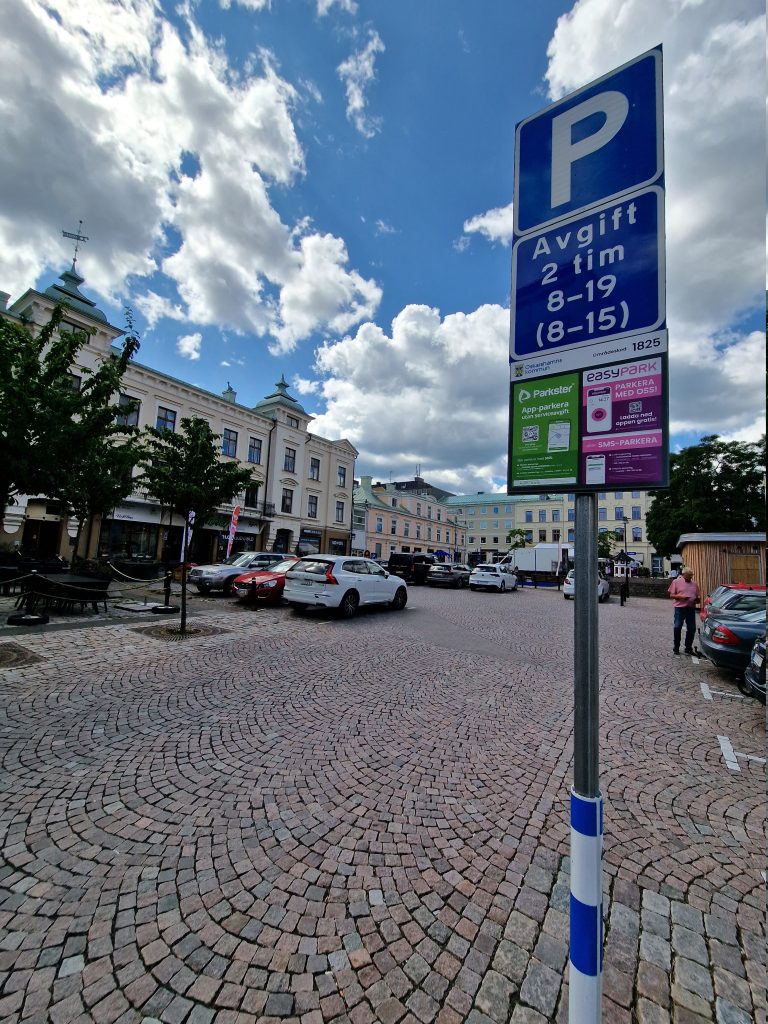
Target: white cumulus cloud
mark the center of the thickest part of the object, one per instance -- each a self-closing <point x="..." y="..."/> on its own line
<point x="357" y="72"/>
<point x="189" y="346"/>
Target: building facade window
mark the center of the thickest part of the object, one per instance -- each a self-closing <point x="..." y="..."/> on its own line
<point x="529" y="536"/>
<point x="312" y="506"/>
<point x="618" y="494"/>
<point x="379" y="524"/>
<point x="529" y="515"/>
<point x="618" y="512"/>
<point x="393" y="526"/>
<point x="555" y="536"/>
<point x="314" y="469"/>
<point x="286" y="504"/>
<point x="637" y="533"/>
<point x="292" y="421"/>
<point x="602" y="513"/>
<point x="289" y="462"/>
<point x="571" y="515"/>
<point x="341" y="476"/>
<point x="229" y="443"/>
<point x="542" y="515"/>
<point x="418" y="531"/>
<point x="339" y="511"/>
<point x="555" y="515"/>
<point x="571" y="536"/>
<point x="254" y="450"/>
<point x="128" y="419"/>
<point x="406" y="529"/>
<point x="542" y="536"/>
<point x="251" y="498"/>
<point x="429" y="533"/>
<point x="166" y="419"/>
<point x="636" y="514"/>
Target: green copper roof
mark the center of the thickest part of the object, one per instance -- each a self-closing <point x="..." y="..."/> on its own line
<point x="279" y="396"/>
<point x="69" y="294"/>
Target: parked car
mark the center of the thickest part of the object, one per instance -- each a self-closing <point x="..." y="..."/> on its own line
<point x="727" y="640"/>
<point x="221" y="575"/>
<point x="569" y="587"/>
<point x="263" y="586"/>
<point x="410" y="567"/>
<point x="448" y="574"/>
<point x="342" y="582"/>
<point x="747" y="596"/>
<point x="492" y="577"/>
<point x="753" y="682"/>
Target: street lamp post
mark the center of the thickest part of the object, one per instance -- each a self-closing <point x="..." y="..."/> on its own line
<point x="625" y="581"/>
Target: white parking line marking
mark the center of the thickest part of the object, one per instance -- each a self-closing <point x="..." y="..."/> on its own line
<point x="729" y="756"/>
<point x="707" y="692"/>
<point x="750" y="757"/>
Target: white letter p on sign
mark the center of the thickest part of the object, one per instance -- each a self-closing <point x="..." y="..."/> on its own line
<point x="565" y="151"/>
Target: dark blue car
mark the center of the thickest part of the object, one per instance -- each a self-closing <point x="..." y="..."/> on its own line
<point x="728" y="638"/>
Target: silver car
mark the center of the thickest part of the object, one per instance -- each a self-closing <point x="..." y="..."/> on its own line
<point x="221" y="575"/>
<point x="448" y="574"/>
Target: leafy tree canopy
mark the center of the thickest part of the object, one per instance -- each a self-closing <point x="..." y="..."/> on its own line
<point x="184" y="472"/>
<point x="51" y="424"/>
<point x="516" y="539"/>
<point x="714" y="486"/>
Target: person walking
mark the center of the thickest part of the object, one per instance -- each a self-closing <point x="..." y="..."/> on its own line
<point x="685" y="595"/>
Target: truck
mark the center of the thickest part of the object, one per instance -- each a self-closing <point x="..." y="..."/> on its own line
<point x="542" y="563"/>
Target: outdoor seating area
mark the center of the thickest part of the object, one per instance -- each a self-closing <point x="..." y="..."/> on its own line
<point x="64" y="592"/>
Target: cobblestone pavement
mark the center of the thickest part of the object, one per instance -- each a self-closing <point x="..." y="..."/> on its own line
<point x="304" y="819"/>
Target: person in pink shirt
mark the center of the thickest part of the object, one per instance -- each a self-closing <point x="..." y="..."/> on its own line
<point x="685" y="596"/>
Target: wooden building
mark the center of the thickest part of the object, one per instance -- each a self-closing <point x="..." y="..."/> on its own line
<point x="718" y="558"/>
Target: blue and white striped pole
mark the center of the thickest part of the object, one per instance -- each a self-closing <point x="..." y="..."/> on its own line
<point x="586" y="956"/>
<point x="585" y="985"/>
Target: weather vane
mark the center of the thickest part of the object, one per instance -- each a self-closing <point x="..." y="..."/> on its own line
<point x="78" y="237"/>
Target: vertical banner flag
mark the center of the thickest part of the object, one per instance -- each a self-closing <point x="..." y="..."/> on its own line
<point x="232" y="528"/>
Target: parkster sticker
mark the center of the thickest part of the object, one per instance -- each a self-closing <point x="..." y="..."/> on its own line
<point x="545" y="421"/>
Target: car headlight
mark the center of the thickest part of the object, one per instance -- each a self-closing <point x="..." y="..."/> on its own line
<point x="266" y="584"/>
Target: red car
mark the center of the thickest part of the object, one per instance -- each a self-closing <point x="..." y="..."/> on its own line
<point x="734" y="596"/>
<point x="263" y="586"/>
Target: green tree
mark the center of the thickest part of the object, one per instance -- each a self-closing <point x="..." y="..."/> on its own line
<point x="516" y="539"/>
<point x="50" y="423"/>
<point x="184" y="472"/>
<point x="714" y="486"/>
<point x="605" y="542"/>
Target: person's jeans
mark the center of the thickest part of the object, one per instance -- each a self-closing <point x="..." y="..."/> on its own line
<point x="684" y="617"/>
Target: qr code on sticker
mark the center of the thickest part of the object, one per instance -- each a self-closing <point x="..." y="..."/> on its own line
<point x="530" y="433"/>
<point x="635" y="406"/>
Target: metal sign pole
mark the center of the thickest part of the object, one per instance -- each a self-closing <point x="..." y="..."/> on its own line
<point x="586" y="918"/>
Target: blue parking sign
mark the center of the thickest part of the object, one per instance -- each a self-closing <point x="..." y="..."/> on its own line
<point x="598" y="275"/>
<point x="596" y="144"/>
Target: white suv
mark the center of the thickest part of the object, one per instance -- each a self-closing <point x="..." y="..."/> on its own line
<point x="344" y="582"/>
<point x="492" y="577"/>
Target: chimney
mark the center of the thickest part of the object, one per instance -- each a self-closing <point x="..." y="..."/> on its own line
<point x="230" y="395"/>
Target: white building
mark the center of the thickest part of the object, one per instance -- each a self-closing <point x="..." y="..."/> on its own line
<point x="301" y="497"/>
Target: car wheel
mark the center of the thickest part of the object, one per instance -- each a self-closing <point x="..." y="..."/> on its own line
<point x="472" y="586"/>
<point x="503" y="587"/>
<point x="204" y="589"/>
<point x="349" y="605"/>
<point x="566" y="597"/>
<point x="298" y="609"/>
<point x="745" y="687"/>
<point x="400" y="600"/>
<point x="227" y="588"/>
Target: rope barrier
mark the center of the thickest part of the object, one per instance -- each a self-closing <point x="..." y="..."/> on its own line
<point x="135" y="579"/>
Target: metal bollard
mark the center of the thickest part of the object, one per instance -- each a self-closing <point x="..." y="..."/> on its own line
<point x="167" y="587"/>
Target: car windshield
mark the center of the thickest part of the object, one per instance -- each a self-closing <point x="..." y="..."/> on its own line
<point x="284" y="566"/>
<point x="242" y="559"/>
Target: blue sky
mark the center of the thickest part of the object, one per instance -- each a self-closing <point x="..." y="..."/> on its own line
<point x="322" y="188"/>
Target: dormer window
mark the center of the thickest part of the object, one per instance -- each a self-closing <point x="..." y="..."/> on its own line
<point x="292" y="421"/>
